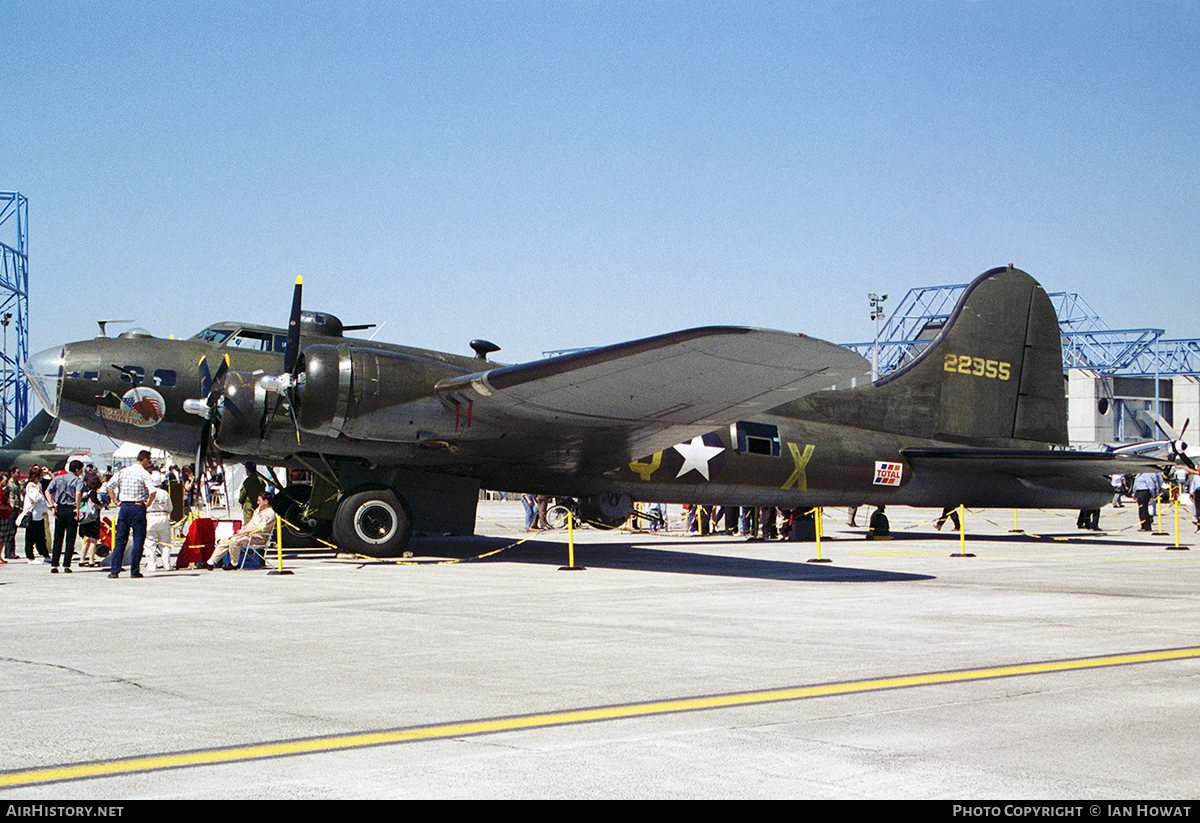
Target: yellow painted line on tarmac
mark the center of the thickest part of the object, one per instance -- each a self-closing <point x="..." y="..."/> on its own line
<point x="319" y="745"/>
<point x="1144" y="559"/>
<point x="1066" y="558"/>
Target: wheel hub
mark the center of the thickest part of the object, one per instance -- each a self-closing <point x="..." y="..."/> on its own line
<point x="375" y="522"/>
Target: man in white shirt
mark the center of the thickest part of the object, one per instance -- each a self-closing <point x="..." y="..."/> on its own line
<point x="134" y="490"/>
<point x="158" y="527"/>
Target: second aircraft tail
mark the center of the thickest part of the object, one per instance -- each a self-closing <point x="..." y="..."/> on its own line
<point x="38" y="433"/>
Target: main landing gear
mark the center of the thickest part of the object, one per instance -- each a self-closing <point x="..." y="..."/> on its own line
<point x="374" y="522"/>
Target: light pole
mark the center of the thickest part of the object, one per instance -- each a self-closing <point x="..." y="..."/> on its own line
<point x="877" y="314"/>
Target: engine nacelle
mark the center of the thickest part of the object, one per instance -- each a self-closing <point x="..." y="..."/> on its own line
<point x="357" y="392"/>
<point x="242" y="410"/>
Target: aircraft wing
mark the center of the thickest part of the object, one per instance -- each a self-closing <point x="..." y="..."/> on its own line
<point x="632" y="399"/>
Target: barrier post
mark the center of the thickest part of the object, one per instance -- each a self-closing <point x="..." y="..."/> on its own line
<point x="818" y="512"/>
<point x="1158" y="514"/>
<point x="570" y="567"/>
<point x="1177" y="547"/>
<point x="962" y="532"/>
<point x="279" y="547"/>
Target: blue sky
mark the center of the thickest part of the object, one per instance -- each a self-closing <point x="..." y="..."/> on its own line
<point x="551" y="175"/>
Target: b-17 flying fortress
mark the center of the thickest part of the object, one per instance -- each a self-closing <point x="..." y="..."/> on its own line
<point x="402" y="438"/>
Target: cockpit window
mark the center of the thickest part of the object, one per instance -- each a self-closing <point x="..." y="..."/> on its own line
<point x="214" y="335"/>
<point x="245" y="339"/>
<point x="253" y="340"/>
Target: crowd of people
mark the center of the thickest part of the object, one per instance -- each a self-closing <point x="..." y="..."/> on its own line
<point x="1151" y="488"/>
<point x="54" y="512"/>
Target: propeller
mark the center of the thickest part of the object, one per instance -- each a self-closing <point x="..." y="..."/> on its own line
<point x="235" y="405"/>
<point x="1179" y="448"/>
<point x="283" y="385"/>
<point x="1170" y="438"/>
<point x="210" y="390"/>
<point x="1174" y="439"/>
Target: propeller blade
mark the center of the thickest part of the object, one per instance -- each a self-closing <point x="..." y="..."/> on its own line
<point x="205" y="377"/>
<point x="291" y="356"/>
<point x="292" y="352"/>
<point x="218" y="383"/>
<point x="292" y="412"/>
<point x="1180" y="447"/>
<point x="211" y="388"/>
<point x="202" y="447"/>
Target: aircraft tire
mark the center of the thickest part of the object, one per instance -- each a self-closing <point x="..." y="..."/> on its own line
<point x="374" y="522"/>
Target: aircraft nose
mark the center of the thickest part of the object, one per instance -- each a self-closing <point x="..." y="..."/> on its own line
<point x="45" y="373"/>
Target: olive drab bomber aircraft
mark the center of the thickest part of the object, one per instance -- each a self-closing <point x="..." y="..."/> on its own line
<point x="398" y="438"/>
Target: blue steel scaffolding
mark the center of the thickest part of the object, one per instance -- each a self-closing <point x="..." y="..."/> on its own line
<point x="14" y="312"/>
<point x="1088" y="342"/>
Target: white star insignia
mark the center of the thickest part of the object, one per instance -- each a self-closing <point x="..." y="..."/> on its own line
<point x="696" y="456"/>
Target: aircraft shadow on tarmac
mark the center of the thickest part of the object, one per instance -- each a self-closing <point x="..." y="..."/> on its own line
<point x="636" y="558"/>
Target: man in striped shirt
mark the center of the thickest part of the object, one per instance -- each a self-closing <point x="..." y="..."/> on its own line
<point x="135" y="490"/>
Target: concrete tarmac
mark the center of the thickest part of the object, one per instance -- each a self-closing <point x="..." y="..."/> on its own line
<point x="887" y="673"/>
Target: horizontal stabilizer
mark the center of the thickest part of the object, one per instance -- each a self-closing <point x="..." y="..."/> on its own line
<point x="1030" y="463"/>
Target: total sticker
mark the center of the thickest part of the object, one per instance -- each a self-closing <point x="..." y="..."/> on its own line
<point x="887" y="474"/>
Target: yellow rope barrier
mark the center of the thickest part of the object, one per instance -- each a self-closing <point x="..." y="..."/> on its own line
<point x="402" y="562"/>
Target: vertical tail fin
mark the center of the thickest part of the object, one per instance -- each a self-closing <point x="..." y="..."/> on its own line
<point x="38" y="433"/>
<point x="992" y="377"/>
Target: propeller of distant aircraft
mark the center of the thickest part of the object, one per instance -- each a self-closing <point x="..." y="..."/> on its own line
<point x="1178" y="447"/>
